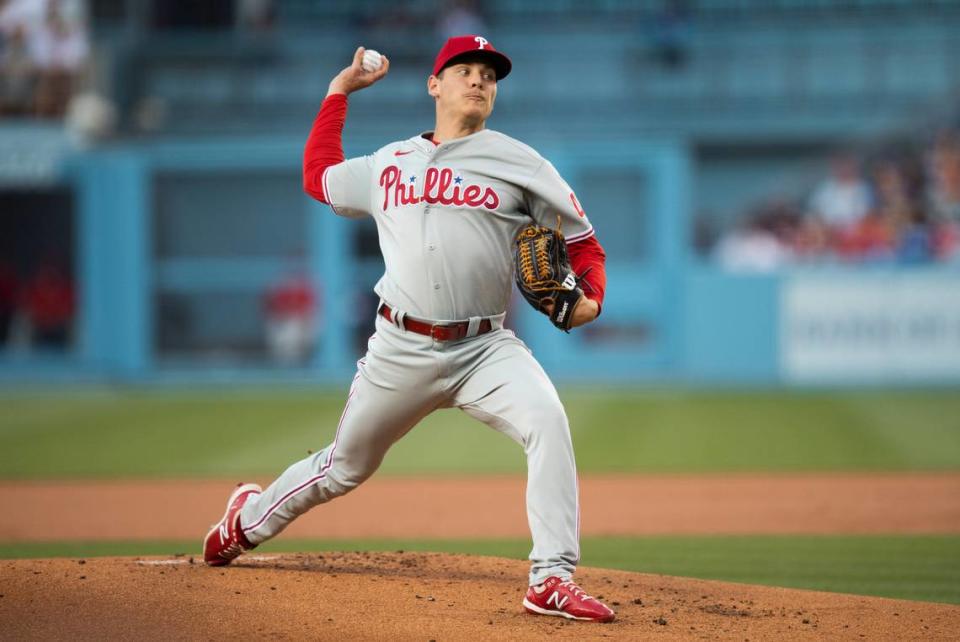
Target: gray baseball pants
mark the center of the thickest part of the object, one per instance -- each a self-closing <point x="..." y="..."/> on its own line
<point x="403" y="378"/>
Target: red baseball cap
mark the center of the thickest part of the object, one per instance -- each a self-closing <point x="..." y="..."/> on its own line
<point x="472" y="44"/>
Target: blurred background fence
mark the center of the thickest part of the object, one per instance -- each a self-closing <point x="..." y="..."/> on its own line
<point x="776" y="182"/>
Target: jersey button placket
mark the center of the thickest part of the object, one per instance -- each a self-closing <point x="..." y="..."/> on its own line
<point x="431" y="246"/>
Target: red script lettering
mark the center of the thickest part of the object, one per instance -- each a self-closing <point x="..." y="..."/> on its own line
<point x="438" y="186"/>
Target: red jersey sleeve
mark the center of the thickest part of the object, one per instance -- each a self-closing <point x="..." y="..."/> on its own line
<point x="588" y="254"/>
<point x="324" y="146"/>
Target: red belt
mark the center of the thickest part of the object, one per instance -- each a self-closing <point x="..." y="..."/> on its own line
<point x="439" y="331"/>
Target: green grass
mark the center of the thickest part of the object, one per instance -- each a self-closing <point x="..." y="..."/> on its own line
<point x="218" y="432"/>
<point x="923" y="568"/>
<point x="222" y="433"/>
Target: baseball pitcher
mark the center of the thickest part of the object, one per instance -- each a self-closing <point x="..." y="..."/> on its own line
<point x="462" y="212"/>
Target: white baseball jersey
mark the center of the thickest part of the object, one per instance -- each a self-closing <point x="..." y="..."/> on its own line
<point x="447" y="215"/>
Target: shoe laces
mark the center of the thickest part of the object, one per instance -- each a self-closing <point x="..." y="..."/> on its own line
<point x="577" y="592"/>
<point x="231" y="551"/>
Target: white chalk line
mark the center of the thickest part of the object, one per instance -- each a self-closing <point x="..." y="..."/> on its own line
<point x="251" y="558"/>
<point x="161" y="562"/>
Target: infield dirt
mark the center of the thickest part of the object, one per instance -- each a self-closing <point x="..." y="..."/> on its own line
<point x="457" y="507"/>
<point x="416" y="596"/>
<point x="428" y="596"/>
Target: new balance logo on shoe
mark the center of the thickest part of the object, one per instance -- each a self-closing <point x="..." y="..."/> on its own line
<point x="557" y="600"/>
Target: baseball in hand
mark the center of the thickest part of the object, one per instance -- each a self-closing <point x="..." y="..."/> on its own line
<point x="371" y="60"/>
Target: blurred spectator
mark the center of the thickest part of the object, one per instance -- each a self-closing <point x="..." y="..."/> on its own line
<point x="18" y="70"/>
<point x="458" y="17"/>
<point x="21" y="14"/>
<point x="943" y="195"/>
<point x="18" y="74"/>
<point x="843" y="199"/>
<point x="872" y="238"/>
<point x="8" y="300"/>
<point x="290" y="320"/>
<point x="812" y="241"/>
<point x="908" y="212"/>
<point x="46" y="49"/>
<point x="768" y="239"/>
<point x="915" y="239"/>
<point x="895" y="196"/>
<point x="49" y="302"/>
<point x="946" y="241"/>
<point x="60" y="49"/>
<point x="754" y="246"/>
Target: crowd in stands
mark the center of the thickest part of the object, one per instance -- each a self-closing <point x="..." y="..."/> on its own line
<point x="37" y="310"/>
<point x="898" y="206"/>
<point x="44" y="52"/>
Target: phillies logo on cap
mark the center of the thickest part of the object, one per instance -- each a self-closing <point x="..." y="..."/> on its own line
<point x="468" y="47"/>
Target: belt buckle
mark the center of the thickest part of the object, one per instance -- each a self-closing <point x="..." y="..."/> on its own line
<point x="435" y="331"/>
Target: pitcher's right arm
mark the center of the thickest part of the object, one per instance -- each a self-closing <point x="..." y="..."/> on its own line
<point x="324" y="148"/>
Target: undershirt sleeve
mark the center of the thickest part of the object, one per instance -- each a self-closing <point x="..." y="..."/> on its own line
<point x="587" y="254"/>
<point x="327" y="177"/>
<point x="324" y="146"/>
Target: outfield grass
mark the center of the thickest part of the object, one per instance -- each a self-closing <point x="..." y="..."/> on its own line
<point x="221" y="433"/>
<point x="217" y="433"/>
<point x="907" y="567"/>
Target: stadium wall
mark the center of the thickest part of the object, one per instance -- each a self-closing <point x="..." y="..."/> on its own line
<point x="668" y="315"/>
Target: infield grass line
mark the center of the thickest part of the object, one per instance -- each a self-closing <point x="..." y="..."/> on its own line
<point x="925" y="568"/>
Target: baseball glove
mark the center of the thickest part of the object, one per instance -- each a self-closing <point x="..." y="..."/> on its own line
<point x="544" y="275"/>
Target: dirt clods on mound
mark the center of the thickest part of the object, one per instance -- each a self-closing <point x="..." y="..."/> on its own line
<point x="416" y="596"/>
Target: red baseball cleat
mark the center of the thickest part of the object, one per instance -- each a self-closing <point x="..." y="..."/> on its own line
<point x="224" y="543"/>
<point x="565" y="599"/>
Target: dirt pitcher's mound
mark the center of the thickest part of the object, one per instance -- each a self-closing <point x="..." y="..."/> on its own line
<point x="415" y="596"/>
